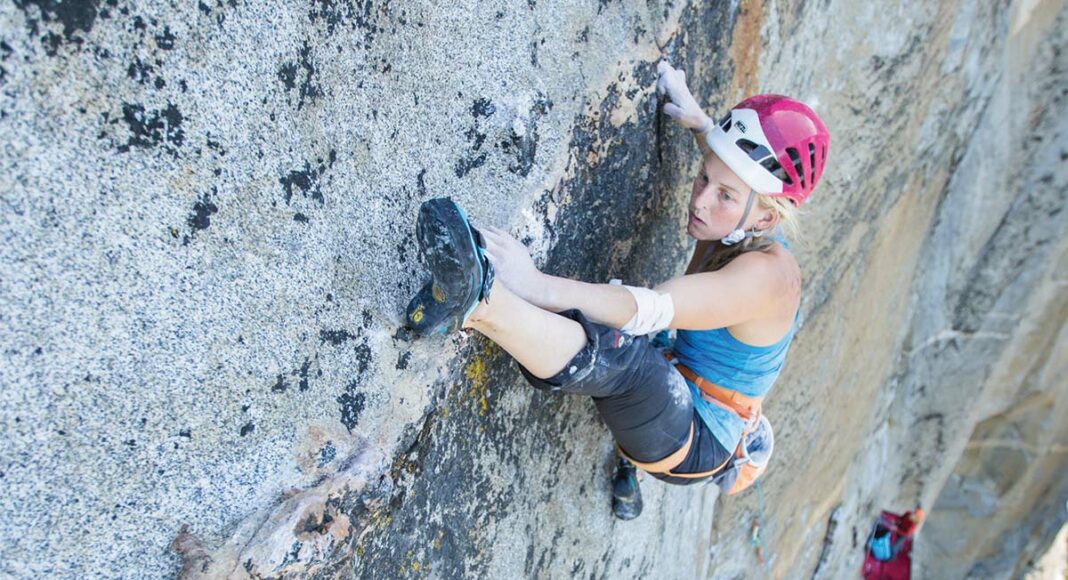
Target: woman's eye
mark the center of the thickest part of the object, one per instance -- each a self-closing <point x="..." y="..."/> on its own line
<point x="723" y="194"/>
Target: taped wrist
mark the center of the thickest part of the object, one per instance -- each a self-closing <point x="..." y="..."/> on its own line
<point x="655" y="311"/>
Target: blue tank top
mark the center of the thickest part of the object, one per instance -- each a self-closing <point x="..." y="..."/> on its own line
<point x="728" y="362"/>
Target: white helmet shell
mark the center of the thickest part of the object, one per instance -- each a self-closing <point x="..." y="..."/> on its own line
<point x="736" y="140"/>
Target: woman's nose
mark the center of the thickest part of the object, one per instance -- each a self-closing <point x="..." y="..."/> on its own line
<point x="702" y="198"/>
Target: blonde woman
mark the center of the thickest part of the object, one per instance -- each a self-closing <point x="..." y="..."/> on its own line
<point x="682" y="420"/>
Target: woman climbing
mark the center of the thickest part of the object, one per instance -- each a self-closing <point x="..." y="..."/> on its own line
<point x="681" y="420"/>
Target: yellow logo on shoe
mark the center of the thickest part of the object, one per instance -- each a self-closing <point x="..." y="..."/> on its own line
<point x="417" y="315"/>
<point x="439" y="294"/>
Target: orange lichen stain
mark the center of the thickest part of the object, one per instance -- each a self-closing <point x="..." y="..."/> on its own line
<point x="444" y="412"/>
<point x="439" y="294"/>
<point x="417" y="316"/>
<point x="437" y="539"/>
<point x="745" y="47"/>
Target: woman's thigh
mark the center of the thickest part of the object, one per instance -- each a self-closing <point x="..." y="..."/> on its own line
<point x="644" y="401"/>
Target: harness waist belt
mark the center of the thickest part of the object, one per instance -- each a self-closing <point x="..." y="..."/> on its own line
<point x="748" y="408"/>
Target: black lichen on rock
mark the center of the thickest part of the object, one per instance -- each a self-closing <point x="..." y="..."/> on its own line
<point x="358" y="14"/>
<point x="473" y="159"/>
<point x="5" y="52"/>
<point x="483" y="108"/>
<point x="279" y="385"/>
<point x="327" y="454"/>
<point x="75" y="17"/>
<point x="334" y="337"/>
<point x="303" y="372"/>
<point x="153" y="128"/>
<point x="306" y="180"/>
<point x="352" y="403"/>
<point x="302" y="72"/>
<point x="203" y="209"/>
<point x="140" y="71"/>
<point x="165" y="40"/>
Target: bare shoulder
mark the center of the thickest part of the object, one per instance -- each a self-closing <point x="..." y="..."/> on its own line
<point x="777" y="276"/>
<point x="776" y="269"/>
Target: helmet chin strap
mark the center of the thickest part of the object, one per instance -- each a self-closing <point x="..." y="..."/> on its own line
<point x="739" y="234"/>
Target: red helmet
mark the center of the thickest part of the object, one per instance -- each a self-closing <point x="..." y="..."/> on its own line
<point x="777" y="145"/>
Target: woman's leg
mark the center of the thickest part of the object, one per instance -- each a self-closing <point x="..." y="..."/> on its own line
<point x="542" y="341"/>
<point x="644" y="402"/>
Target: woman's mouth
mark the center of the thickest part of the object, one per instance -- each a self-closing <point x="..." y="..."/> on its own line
<point x="695" y="220"/>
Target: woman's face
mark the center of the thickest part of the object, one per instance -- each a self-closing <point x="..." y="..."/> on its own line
<point x="717" y="201"/>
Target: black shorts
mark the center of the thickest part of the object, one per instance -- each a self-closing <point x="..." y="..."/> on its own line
<point x="642" y="398"/>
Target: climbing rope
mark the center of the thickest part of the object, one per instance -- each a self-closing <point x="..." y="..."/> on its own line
<point x="758" y="524"/>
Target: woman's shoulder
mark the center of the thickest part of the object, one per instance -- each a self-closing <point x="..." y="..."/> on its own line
<point x="780" y="275"/>
<point x="775" y="267"/>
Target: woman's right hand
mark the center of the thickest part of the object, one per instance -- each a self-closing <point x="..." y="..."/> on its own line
<point x="513" y="265"/>
<point x="683" y="107"/>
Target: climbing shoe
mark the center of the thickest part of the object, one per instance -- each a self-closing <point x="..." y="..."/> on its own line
<point x="626" y="495"/>
<point x="460" y="274"/>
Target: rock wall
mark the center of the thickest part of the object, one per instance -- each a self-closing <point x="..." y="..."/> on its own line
<point x="207" y="243"/>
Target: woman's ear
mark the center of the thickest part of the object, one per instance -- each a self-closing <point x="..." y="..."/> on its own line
<point x="769" y="218"/>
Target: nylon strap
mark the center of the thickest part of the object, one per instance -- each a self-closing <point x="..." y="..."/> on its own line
<point x="747" y="408"/>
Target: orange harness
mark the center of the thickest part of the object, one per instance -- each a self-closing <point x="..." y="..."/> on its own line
<point x="746" y="408"/>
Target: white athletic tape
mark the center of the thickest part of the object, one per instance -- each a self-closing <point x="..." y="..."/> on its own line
<point x="655" y="311"/>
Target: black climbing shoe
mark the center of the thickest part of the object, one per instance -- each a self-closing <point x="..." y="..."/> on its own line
<point x="460" y="275"/>
<point x="626" y="494"/>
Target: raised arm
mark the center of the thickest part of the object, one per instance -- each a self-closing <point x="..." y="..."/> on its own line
<point x="682" y="105"/>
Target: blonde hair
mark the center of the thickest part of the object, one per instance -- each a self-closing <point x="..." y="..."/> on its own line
<point x="720" y="255"/>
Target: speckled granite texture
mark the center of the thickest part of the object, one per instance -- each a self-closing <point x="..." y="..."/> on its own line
<point x="207" y="240"/>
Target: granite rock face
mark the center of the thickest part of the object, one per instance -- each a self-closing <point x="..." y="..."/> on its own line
<point x="207" y="241"/>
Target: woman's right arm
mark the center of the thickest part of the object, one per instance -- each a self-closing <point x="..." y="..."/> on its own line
<point x="607" y="304"/>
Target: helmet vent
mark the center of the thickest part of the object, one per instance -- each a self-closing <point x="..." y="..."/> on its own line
<point x="755" y="152"/>
<point x="725" y="123"/>
<point x="773" y="167"/>
<point x="795" y="159"/>
<point x="812" y="156"/>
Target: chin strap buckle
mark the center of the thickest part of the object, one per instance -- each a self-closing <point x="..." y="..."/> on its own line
<point x="733" y="237"/>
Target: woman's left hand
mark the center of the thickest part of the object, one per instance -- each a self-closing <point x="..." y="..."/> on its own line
<point x="513" y="265"/>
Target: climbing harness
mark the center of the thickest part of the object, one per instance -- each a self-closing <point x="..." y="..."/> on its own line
<point x="748" y="409"/>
